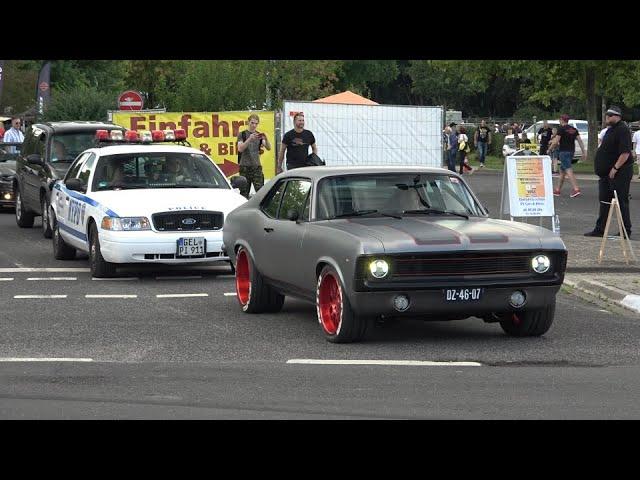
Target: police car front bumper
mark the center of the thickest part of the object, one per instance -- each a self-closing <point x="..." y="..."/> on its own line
<point x="148" y="246"/>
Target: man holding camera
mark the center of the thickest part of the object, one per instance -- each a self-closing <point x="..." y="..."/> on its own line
<point x="250" y="143"/>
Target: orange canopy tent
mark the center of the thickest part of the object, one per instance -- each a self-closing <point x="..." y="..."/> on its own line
<point x="347" y="97"/>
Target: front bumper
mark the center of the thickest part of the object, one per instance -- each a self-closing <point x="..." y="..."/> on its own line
<point x="157" y="247"/>
<point x="433" y="302"/>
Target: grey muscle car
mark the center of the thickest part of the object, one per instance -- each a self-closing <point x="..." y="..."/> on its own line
<point x="367" y="242"/>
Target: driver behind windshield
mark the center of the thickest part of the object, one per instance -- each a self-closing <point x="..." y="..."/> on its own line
<point x="59" y="152"/>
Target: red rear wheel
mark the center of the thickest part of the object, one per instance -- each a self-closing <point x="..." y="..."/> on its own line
<point x="243" y="282"/>
<point x="330" y="304"/>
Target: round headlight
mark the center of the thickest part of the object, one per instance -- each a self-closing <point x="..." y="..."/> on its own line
<point x="540" y="263"/>
<point x="379" y="268"/>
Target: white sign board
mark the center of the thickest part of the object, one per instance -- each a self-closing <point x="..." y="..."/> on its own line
<point x="529" y="186"/>
<point x="371" y="134"/>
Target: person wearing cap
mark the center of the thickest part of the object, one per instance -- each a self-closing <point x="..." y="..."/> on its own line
<point x="614" y="167"/>
<point x="565" y="143"/>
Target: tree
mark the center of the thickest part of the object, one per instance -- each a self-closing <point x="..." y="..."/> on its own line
<point x="80" y="102"/>
<point x="19" y="91"/>
<point x="304" y="80"/>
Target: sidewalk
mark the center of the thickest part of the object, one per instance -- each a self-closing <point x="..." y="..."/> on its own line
<point x="613" y="280"/>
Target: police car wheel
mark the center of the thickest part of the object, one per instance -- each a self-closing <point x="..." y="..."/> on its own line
<point x="61" y="251"/>
<point x="46" y="222"/>
<point x="99" y="267"/>
<point x="24" y="219"/>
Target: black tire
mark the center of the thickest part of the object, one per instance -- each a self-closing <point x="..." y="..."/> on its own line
<point x="100" y="268"/>
<point x="252" y="292"/>
<point x="24" y="218"/>
<point x="46" y="221"/>
<point x="61" y="250"/>
<point x="529" y="323"/>
<point x="345" y="326"/>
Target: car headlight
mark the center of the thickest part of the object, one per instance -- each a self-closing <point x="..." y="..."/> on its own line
<point x="125" y="223"/>
<point x="540" y="264"/>
<point x="379" y="268"/>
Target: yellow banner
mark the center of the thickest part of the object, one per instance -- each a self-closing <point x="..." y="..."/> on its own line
<point x="214" y="133"/>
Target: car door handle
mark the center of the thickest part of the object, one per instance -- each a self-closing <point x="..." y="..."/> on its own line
<point x="268" y="229"/>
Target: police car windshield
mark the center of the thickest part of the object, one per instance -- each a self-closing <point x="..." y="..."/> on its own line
<point x="65" y="147"/>
<point x="156" y="170"/>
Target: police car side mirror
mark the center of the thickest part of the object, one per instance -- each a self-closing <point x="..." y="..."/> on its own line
<point x="293" y="215"/>
<point x="75" y="184"/>
<point x="34" y="159"/>
<point x="238" y="182"/>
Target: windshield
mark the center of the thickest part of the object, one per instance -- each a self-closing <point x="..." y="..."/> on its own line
<point x="67" y="146"/>
<point x="393" y="193"/>
<point x="156" y="170"/>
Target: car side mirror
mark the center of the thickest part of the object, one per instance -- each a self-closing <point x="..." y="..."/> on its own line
<point x="238" y="182"/>
<point x="293" y="215"/>
<point x="76" y="185"/>
<point x="34" y="159"/>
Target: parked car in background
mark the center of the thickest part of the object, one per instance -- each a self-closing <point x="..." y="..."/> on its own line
<point x="47" y="152"/>
<point x="7" y="174"/>
<point x="369" y="242"/>
<point x="509" y="146"/>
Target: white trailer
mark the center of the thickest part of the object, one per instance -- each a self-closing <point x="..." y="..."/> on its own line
<point x="371" y="134"/>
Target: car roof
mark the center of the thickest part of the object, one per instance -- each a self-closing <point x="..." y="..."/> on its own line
<point x="76" y="126"/>
<point x="124" y="148"/>
<point x="330" y="171"/>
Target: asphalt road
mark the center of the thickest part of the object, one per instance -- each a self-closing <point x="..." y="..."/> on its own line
<point x="201" y="357"/>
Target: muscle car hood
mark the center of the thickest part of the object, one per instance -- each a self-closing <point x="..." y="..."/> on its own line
<point x="428" y="234"/>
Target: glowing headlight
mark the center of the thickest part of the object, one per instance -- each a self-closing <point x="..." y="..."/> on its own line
<point x="125" y="223"/>
<point x="379" y="268"/>
<point x="540" y="263"/>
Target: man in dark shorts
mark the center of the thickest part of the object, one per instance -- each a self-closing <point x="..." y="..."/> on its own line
<point x="565" y="143"/>
<point x="296" y="143"/>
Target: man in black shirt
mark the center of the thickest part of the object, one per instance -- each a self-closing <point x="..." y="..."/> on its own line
<point x="565" y="143"/>
<point x="614" y="166"/>
<point x="482" y="139"/>
<point x="296" y="143"/>
<point x="544" y="134"/>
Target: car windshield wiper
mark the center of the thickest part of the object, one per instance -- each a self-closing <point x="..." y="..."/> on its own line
<point x="359" y="213"/>
<point x="435" y="211"/>
<point x="126" y="186"/>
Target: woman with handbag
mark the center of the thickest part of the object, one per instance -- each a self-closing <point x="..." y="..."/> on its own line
<point x="463" y="149"/>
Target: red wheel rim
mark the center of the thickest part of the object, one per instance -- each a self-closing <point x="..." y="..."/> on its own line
<point x="330" y="304"/>
<point x="243" y="285"/>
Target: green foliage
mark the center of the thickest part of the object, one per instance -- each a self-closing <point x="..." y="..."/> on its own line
<point x="80" y="102"/>
<point x="303" y="80"/>
<point x="19" y="92"/>
<point x="219" y="85"/>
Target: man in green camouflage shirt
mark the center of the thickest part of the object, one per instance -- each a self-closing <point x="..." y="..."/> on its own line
<point x="250" y="146"/>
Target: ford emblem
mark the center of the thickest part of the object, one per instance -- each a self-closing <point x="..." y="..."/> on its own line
<point x="189" y="221"/>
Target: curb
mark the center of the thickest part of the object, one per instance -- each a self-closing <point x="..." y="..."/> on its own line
<point x="607" y="293"/>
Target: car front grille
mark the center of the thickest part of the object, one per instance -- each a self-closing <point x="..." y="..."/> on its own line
<point x="187" y="221"/>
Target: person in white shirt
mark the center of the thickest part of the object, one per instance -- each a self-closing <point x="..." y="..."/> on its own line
<point x="636" y="146"/>
<point x="13" y="135"/>
<point x="601" y="135"/>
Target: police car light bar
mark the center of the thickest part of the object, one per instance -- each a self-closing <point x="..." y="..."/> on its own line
<point x="145" y="136"/>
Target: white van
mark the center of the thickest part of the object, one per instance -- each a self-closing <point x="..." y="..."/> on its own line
<point x="509" y="146"/>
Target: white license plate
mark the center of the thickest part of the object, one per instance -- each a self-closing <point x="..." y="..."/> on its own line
<point x="462" y="294"/>
<point x="191" y="247"/>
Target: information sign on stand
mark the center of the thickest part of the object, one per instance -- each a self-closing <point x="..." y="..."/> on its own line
<point x="528" y="187"/>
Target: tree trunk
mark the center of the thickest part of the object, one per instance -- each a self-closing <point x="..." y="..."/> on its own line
<point x="592" y="112"/>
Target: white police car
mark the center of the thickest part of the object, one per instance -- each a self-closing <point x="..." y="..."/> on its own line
<point x="130" y="201"/>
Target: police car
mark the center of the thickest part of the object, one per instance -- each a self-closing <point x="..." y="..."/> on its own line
<point x="129" y="200"/>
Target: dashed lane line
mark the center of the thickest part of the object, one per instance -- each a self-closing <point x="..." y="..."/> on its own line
<point x="116" y="279"/>
<point x="39" y="296"/>
<point x="51" y="278"/>
<point x="182" y="295"/>
<point x="110" y="296"/>
<point x="185" y="277"/>
<point x="51" y="270"/>
<point x="6" y="279"/>
<point x="63" y="359"/>
<point x="230" y="294"/>
<point x="409" y="363"/>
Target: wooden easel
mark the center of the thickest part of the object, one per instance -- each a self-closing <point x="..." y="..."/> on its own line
<point x="624" y="237"/>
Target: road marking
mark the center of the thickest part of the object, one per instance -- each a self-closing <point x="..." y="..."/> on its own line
<point x="34" y="270"/>
<point x="226" y="276"/>
<point x="39" y="296"/>
<point x="310" y="361"/>
<point x="52" y="278"/>
<point x="182" y="295"/>
<point x="117" y="279"/>
<point x="186" y="277"/>
<point x="111" y="296"/>
<point x="230" y="294"/>
<point x="16" y="359"/>
<point x="6" y="279"/>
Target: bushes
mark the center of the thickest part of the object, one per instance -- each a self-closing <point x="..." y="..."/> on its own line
<point x="81" y="102"/>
